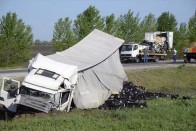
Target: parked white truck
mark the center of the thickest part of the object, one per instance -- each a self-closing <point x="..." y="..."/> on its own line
<point x="157" y="43"/>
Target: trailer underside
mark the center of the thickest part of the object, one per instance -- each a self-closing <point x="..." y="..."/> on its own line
<point x="189" y="56"/>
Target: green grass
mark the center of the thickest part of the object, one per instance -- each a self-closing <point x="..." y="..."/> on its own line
<point x="13" y="67"/>
<point x="161" y="114"/>
<point x="180" y="80"/>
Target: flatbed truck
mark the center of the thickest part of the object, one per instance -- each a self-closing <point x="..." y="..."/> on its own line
<point x="189" y="53"/>
<point x="157" y="44"/>
<point x="134" y="52"/>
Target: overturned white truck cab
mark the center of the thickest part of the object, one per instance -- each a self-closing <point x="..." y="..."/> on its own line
<point x="87" y="74"/>
<point x="49" y="85"/>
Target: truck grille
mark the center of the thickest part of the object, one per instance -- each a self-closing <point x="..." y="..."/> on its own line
<point x="122" y="55"/>
<point x="34" y="102"/>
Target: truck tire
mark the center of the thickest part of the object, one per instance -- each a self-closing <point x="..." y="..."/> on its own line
<point x="164" y="58"/>
<point x="4" y="114"/>
<point x="188" y="59"/>
<point x="137" y="59"/>
<point x="156" y="59"/>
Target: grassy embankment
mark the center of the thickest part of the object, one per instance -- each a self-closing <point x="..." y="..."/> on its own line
<point x="13" y="67"/>
<point x="161" y="114"/>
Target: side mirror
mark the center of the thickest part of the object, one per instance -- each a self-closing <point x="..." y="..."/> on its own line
<point x="9" y="81"/>
<point x="13" y="91"/>
<point x="67" y="84"/>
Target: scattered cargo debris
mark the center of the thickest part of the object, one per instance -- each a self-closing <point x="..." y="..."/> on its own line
<point x="186" y="97"/>
<point x="174" y="96"/>
<point x="159" y="42"/>
<point x="134" y="96"/>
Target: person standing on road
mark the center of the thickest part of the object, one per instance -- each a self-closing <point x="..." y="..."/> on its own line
<point x="145" y="55"/>
<point x="174" y="55"/>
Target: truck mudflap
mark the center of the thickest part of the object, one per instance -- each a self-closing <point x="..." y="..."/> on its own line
<point x="35" y="103"/>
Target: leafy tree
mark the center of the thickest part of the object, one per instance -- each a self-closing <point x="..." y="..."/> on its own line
<point x="37" y="42"/>
<point x="167" y="22"/>
<point x="63" y="36"/>
<point x="15" y="40"/>
<point x="128" y="27"/>
<point x="192" y="28"/>
<point x="110" y="25"/>
<point x="87" y="21"/>
<point x="148" y="24"/>
<point x="45" y="42"/>
<point x="183" y="31"/>
<point x="181" y="38"/>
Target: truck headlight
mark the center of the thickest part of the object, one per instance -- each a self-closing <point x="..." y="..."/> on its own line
<point x="1" y="98"/>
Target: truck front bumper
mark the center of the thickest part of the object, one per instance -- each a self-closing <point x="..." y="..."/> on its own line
<point x="35" y="102"/>
<point x="126" y="57"/>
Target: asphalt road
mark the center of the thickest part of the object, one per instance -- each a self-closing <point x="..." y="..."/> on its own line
<point x="127" y="66"/>
<point x="13" y="72"/>
<point x="160" y="64"/>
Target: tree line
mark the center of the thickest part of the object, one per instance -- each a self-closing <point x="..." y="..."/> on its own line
<point x="16" y="38"/>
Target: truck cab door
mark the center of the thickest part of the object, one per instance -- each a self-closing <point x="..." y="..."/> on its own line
<point x="135" y="51"/>
<point x="67" y="96"/>
<point x="8" y="93"/>
<point x="65" y="99"/>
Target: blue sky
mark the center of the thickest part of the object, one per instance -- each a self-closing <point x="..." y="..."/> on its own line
<point x="41" y="15"/>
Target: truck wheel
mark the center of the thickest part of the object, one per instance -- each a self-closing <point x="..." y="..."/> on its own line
<point x="156" y="59"/>
<point x="188" y="59"/>
<point x="137" y="60"/>
<point x="4" y="115"/>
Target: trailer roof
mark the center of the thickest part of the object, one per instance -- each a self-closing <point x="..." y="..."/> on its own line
<point x="90" y="51"/>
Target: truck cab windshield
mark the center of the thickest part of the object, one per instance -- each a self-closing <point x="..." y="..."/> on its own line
<point x="47" y="73"/>
<point x="126" y="48"/>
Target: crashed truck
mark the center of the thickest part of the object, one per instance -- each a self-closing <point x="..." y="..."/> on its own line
<point x="84" y="75"/>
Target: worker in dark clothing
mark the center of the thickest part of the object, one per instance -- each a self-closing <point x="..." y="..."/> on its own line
<point x="145" y="55"/>
<point x="174" y="55"/>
